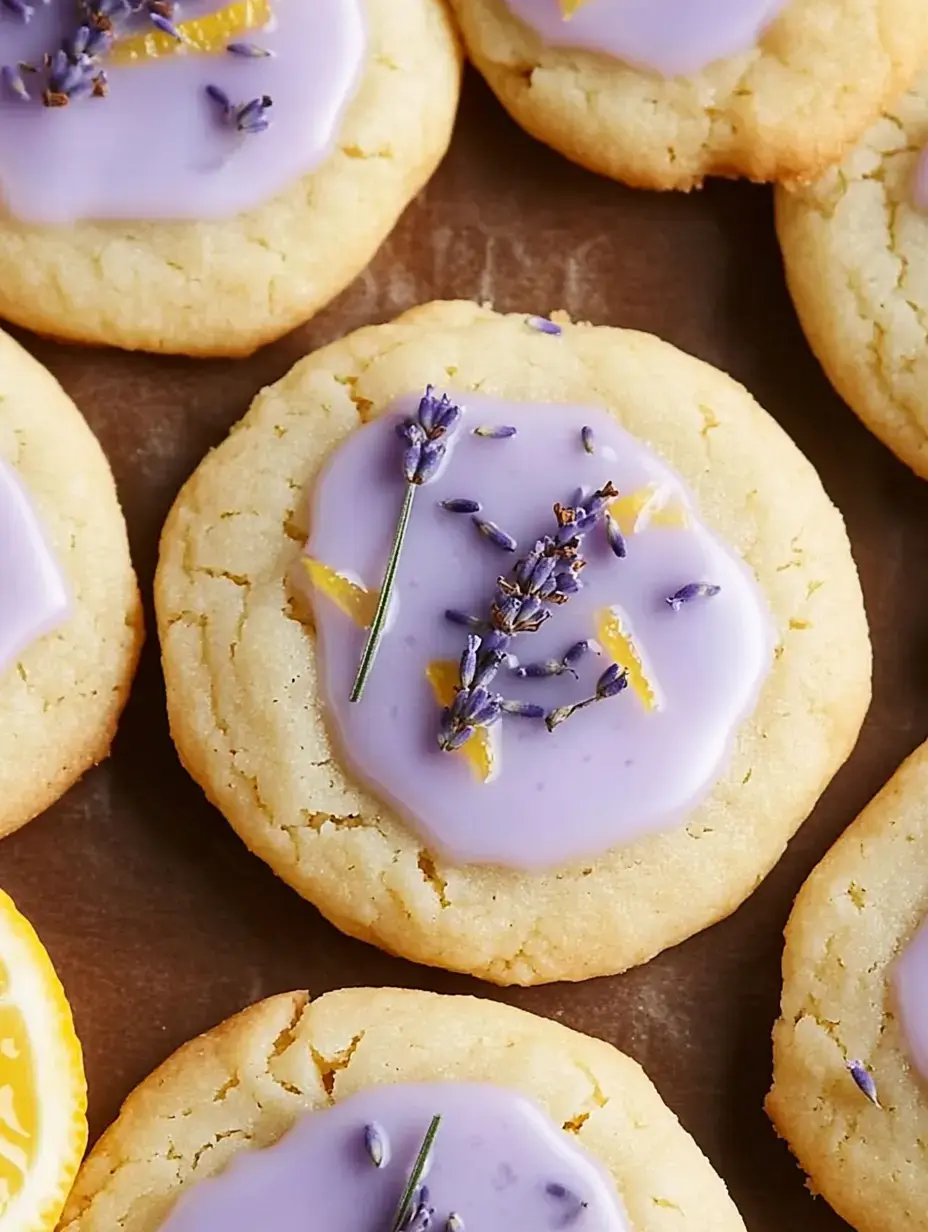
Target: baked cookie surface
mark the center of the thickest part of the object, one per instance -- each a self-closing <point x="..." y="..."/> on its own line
<point x="243" y="1085"/>
<point x="784" y="109"/>
<point x="855" y="245"/>
<point x="244" y="684"/>
<point x="215" y="283"/>
<point x="855" y="919"/>
<point x="70" y="664"/>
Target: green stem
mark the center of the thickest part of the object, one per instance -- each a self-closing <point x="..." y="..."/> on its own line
<point x="375" y="633"/>
<point x="417" y="1170"/>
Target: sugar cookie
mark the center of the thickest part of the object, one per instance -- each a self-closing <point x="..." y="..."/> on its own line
<point x="245" y="167"/>
<point x="70" y="615"/>
<point x="296" y="1105"/>
<point x="855" y="246"/>
<point x="850" y="1090"/>
<point x="669" y="781"/>
<point x="665" y="93"/>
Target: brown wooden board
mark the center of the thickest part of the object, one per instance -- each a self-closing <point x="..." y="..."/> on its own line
<point x="160" y="921"/>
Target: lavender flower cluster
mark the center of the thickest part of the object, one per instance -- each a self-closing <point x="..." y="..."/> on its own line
<point x="75" y="69"/>
<point x="426" y="436"/>
<point x="544" y="579"/>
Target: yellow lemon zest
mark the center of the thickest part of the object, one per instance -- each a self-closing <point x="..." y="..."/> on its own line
<point x="569" y="7"/>
<point x="650" y="506"/>
<point x="355" y="601"/>
<point x="444" y="675"/>
<point x="621" y="649"/>
<point x="208" y="35"/>
<point x="43" y="1128"/>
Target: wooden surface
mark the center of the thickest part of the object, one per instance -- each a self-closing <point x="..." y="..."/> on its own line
<point x="159" y="920"/>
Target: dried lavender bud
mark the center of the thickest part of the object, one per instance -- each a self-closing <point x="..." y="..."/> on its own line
<point x="523" y="710"/>
<point x="614" y="537"/>
<point x="496" y="434"/>
<point x="249" y="50"/>
<point x="12" y="81"/>
<point x="165" y="25"/>
<point x="489" y="665"/>
<point x="543" y="325"/>
<point x="19" y="8"/>
<point x="430" y="459"/>
<point x="495" y="640"/>
<point x="454" y="1223"/>
<point x="613" y="680"/>
<point x="864" y="1080"/>
<point x="469" y="661"/>
<point x="541" y="671"/>
<point x="377" y="1144"/>
<point x="460" y="504"/>
<point x="462" y="618"/>
<point x="451" y="740"/>
<point x="217" y="95"/>
<point x="251" y="117"/>
<point x="498" y="537"/>
<point x="588" y="438"/>
<point x="693" y="590"/>
<point x="578" y="651"/>
<point x="411" y="432"/>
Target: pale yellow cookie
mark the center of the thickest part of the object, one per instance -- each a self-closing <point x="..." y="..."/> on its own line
<point x="243" y="685"/>
<point x="783" y="111"/>
<point x="242" y="1086"/>
<point x="856" y="254"/>
<point x="60" y="702"/>
<point x="227" y="287"/>
<point x="853" y="917"/>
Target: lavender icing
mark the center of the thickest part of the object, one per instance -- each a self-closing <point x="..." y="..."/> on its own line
<point x="920" y="188"/>
<point x="611" y="774"/>
<point x="910" y="980"/>
<point x="156" y="148"/>
<point x="34" y="598"/>
<point x="499" y="1163"/>
<point x="668" y="37"/>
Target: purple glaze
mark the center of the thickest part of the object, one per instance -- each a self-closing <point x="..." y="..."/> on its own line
<point x="668" y="37"/>
<point x="910" y="978"/>
<point x="156" y="149"/>
<point x="612" y="773"/>
<point x="33" y="595"/>
<point x="495" y="1154"/>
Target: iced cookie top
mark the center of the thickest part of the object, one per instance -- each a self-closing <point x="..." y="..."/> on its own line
<point x="159" y="111"/>
<point x="910" y="977"/>
<point x="552" y="683"/>
<point x="33" y="596"/>
<point x="497" y="1163"/>
<point x="668" y="37"/>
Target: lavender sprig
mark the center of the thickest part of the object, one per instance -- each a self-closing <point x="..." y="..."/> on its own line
<point x="542" y="580"/>
<point x="558" y="667"/>
<point x="613" y="681"/>
<point x="425" y="436"/>
<point x="402" y="1215"/>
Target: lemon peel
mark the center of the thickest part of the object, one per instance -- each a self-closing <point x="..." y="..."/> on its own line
<point x="208" y="35"/>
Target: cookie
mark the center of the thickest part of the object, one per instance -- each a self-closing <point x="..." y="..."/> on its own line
<point x="669" y="781"/>
<point x="850" y="1089"/>
<point x="855" y="245"/>
<point x="289" y="139"/>
<point x="70" y="614"/>
<point x="662" y="95"/>
<point x="584" y="1122"/>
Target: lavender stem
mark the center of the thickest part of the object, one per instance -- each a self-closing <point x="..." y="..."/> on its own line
<point x="375" y="633"/>
<point x="415" y="1175"/>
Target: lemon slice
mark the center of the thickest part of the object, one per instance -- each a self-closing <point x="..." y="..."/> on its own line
<point x="357" y="602"/>
<point x="43" y="1096"/>
<point x="569" y="7"/>
<point x="207" y="35"/>
<point x="621" y="649"/>
<point x="444" y="676"/>
<point x="650" y="506"/>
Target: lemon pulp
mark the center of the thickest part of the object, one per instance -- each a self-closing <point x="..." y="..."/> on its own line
<point x="444" y="675"/>
<point x="621" y="649"/>
<point x="357" y="602"/>
<point x="19" y="1110"/>
<point x="650" y="506"/>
